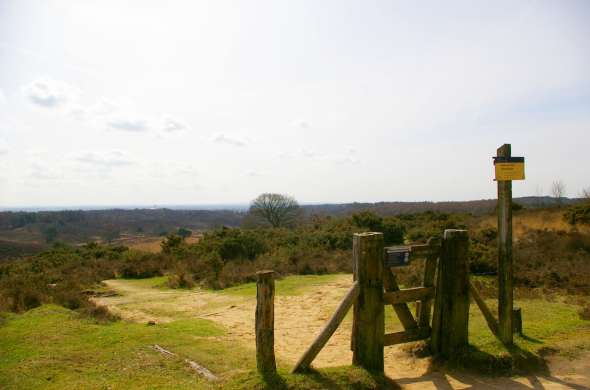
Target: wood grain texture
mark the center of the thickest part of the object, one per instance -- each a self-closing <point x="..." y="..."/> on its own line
<point x="423" y="310"/>
<point x="265" y="292"/>
<point x="368" y="308"/>
<point x="408" y="295"/>
<point x="505" y="272"/>
<point x="450" y="326"/>
<point x="407" y="336"/>
<point x="401" y="309"/>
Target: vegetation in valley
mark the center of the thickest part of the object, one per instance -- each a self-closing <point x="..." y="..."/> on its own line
<point x="545" y="259"/>
<point x="552" y="279"/>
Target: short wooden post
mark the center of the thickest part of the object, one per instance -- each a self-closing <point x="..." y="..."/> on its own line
<point x="451" y="314"/>
<point x="517" y="321"/>
<point x="505" y="297"/>
<point x="368" y="319"/>
<point x="265" y="295"/>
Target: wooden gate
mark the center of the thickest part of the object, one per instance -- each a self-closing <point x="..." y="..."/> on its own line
<point x="374" y="287"/>
<point x="418" y="327"/>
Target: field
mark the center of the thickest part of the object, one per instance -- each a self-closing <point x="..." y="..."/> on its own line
<point x="526" y="220"/>
<point x="51" y="346"/>
<point x="195" y="297"/>
<point x="148" y="243"/>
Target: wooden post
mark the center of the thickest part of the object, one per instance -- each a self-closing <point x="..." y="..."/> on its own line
<point x="368" y="319"/>
<point x="505" y="297"/>
<point x="423" y="309"/>
<point x="265" y="295"/>
<point x="451" y="314"/>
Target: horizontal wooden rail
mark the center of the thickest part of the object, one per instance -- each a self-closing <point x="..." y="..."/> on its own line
<point x="407" y="336"/>
<point x="328" y="330"/>
<point x="425" y="250"/>
<point x="408" y="295"/>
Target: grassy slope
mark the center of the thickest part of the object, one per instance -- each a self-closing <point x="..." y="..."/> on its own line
<point x="53" y="348"/>
<point x="292" y="285"/>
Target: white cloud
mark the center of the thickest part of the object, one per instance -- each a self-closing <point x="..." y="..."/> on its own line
<point x="105" y="106"/>
<point x="300" y="124"/>
<point x="108" y="159"/>
<point x="41" y="170"/>
<point x="132" y="124"/>
<point x="308" y="153"/>
<point x="3" y="147"/>
<point x="171" y="125"/>
<point x="49" y="93"/>
<point x="346" y="158"/>
<point x="221" y="138"/>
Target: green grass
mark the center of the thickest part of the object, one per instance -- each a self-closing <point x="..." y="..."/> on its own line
<point x="54" y="348"/>
<point x="51" y="347"/>
<point x="547" y="327"/>
<point x="155" y="282"/>
<point x="290" y="285"/>
<point x="346" y="377"/>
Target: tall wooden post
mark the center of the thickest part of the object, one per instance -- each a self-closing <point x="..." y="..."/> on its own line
<point x="368" y="319"/>
<point x="451" y="312"/>
<point x="265" y="349"/>
<point x="505" y="297"/>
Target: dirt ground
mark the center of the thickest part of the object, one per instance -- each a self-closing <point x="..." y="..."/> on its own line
<point x="299" y="318"/>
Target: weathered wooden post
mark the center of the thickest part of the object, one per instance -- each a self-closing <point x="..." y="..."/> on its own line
<point x="451" y="311"/>
<point x="368" y="319"/>
<point x="265" y="295"/>
<point x="505" y="298"/>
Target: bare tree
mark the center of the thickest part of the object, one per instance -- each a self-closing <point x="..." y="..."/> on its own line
<point x="278" y="210"/>
<point x="585" y="193"/>
<point x="558" y="191"/>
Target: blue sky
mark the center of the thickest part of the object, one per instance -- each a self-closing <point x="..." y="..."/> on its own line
<point x="217" y="101"/>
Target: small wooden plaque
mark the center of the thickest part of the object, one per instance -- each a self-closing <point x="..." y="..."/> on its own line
<point x="396" y="256"/>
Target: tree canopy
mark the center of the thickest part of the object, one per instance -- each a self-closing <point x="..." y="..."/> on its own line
<point x="276" y="209"/>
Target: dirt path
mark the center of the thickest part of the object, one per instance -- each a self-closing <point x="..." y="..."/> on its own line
<point x="299" y="318"/>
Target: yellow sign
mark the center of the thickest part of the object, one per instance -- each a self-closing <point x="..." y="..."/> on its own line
<point x="509" y="171"/>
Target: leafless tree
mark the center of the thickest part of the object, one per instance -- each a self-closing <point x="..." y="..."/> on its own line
<point x="585" y="193"/>
<point x="277" y="209"/>
<point x="558" y="191"/>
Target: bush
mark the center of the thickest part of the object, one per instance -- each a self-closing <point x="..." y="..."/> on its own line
<point x="578" y="214"/>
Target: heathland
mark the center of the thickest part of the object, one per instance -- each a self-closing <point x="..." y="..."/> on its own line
<point x="86" y="310"/>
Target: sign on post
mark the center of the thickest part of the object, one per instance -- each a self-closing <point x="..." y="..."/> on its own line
<point x="509" y="168"/>
<point x="397" y="256"/>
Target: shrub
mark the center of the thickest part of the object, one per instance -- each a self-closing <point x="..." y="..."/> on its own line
<point x="578" y="214"/>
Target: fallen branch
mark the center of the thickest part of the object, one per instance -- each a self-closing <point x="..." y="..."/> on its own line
<point x="164" y="351"/>
<point x="203" y="371"/>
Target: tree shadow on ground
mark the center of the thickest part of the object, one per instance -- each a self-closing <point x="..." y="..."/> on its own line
<point x="328" y="379"/>
<point x="480" y="370"/>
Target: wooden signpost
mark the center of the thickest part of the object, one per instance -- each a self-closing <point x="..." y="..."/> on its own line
<point x="507" y="168"/>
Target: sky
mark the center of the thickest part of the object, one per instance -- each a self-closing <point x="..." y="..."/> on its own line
<point x="209" y="102"/>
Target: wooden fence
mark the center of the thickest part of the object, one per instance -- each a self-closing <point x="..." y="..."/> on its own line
<point x="375" y="287"/>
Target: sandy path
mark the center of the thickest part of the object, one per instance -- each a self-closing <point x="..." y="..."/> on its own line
<point x="298" y="319"/>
